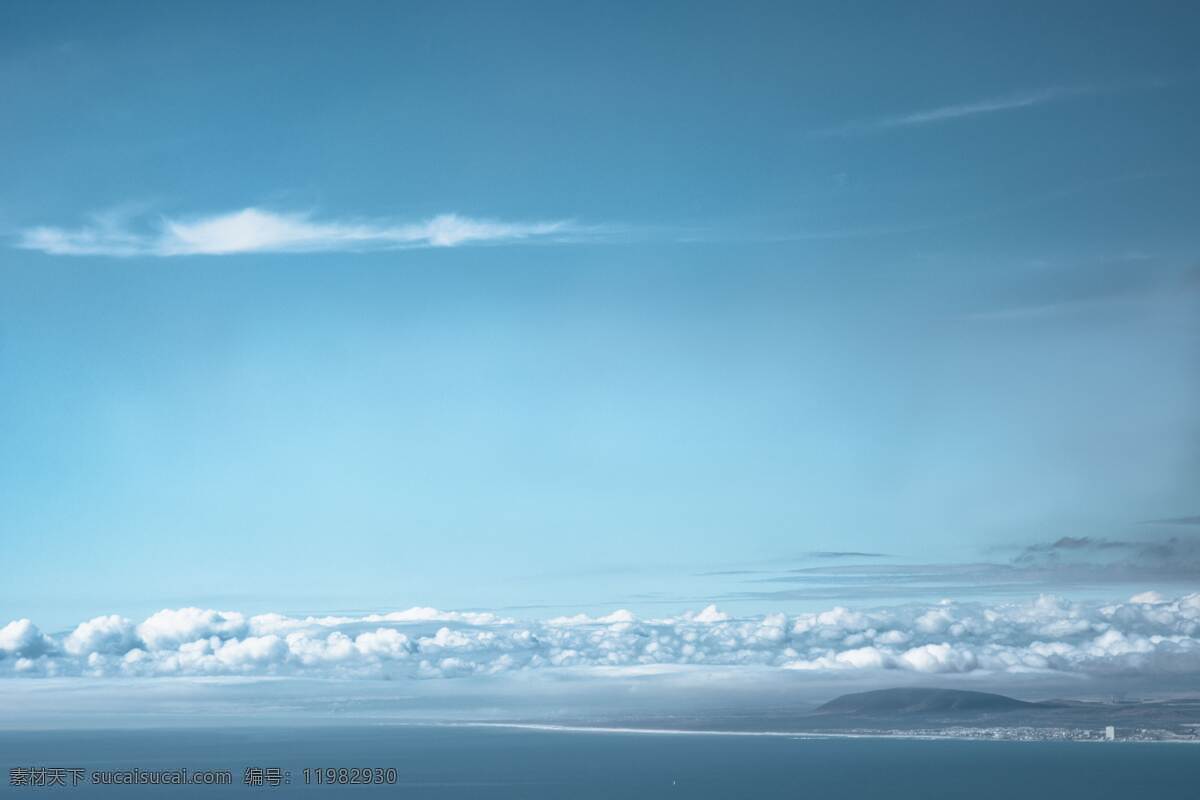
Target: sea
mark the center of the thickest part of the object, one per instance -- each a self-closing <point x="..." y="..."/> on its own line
<point x="434" y="761"/>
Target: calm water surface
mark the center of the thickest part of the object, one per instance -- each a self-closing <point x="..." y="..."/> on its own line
<point x="440" y="762"/>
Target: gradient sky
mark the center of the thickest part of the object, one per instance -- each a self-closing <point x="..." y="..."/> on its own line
<point x="756" y="282"/>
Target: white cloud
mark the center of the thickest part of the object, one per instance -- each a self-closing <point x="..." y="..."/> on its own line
<point x="278" y="623"/>
<point x="256" y="230"/>
<point x="711" y="614"/>
<point x="175" y="627"/>
<point x="1046" y="635"/>
<point x="21" y="637"/>
<point x="111" y="634"/>
<point x="619" y="617"/>
<point x="425" y="614"/>
<point x="383" y="643"/>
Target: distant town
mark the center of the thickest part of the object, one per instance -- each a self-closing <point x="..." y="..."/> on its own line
<point x="955" y="714"/>
<point x="1026" y="733"/>
<point x="923" y="713"/>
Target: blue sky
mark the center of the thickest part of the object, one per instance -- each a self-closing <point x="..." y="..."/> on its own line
<point x="311" y="306"/>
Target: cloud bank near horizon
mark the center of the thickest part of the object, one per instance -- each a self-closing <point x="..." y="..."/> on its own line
<point x="1059" y="565"/>
<point x="1148" y="635"/>
<point x="257" y="230"/>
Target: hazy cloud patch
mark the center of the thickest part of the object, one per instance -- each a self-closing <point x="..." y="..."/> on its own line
<point x="1069" y="562"/>
<point x="1172" y="556"/>
<point x="1174" y="521"/>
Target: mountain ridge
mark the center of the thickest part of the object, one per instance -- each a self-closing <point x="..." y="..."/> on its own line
<point x="925" y="701"/>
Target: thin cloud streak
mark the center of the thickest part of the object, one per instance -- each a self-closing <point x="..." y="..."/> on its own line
<point x="1011" y="102"/>
<point x="991" y="106"/>
<point x="255" y="230"/>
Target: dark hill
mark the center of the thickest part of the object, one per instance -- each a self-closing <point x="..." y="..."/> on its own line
<point x="923" y="701"/>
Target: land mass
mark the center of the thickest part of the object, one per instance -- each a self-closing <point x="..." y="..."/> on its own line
<point x="924" y="701"/>
<point x="942" y="713"/>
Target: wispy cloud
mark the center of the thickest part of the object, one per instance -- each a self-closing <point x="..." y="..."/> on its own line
<point x="991" y="105"/>
<point x="728" y="572"/>
<point x="256" y="230"/>
<point x="1195" y="520"/>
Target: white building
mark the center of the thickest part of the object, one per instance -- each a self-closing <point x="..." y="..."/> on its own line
<point x="1110" y="733"/>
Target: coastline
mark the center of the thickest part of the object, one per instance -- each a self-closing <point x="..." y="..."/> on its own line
<point x="821" y="735"/>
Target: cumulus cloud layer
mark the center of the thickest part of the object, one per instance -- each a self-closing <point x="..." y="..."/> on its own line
<point x="1146" y="636"/>
<point x="256" y="230"/>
